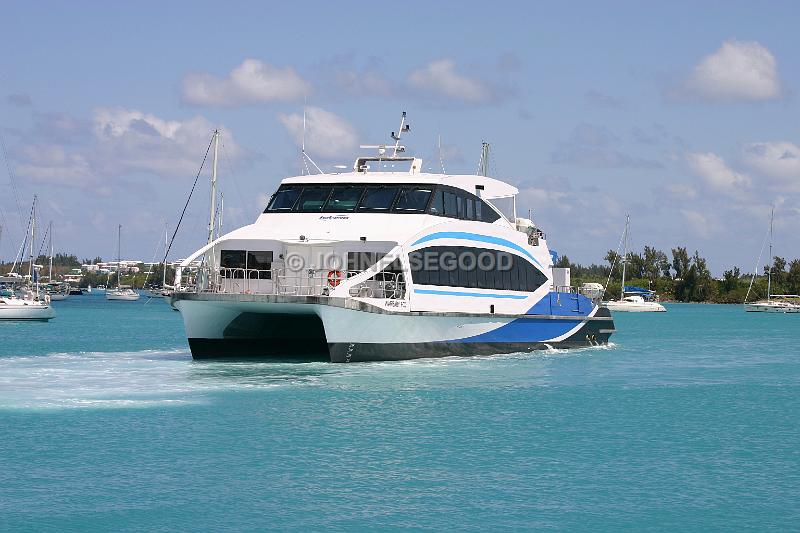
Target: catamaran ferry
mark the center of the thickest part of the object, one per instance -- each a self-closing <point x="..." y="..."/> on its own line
<point x="381" y="264"/>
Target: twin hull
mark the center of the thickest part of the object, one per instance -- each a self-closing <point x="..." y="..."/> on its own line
<point x="345" y="330"/>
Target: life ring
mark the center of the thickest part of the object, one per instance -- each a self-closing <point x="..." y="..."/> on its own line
<point x="334" y="277"/>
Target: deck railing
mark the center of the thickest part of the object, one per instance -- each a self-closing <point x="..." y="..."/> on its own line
<point x="305" y="282"/>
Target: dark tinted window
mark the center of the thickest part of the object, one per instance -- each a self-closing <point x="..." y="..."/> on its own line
<point x="412" y="200"/>
<point x="312" y="199"/>
<point x="437" y="205"/>
<point x="377" y="199"/>
<point x="344" y="199"/>
<point x="232" y="259"/>
<point x="261" y="261"/>
<point x="284" y="199"/>
<point x="450" y="204"/>
<point x="456" y="203"/>
<point x="478" y="268"/>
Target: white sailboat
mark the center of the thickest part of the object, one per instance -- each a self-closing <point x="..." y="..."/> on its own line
<point x="632" y="303"/>
<point x="56" y="291"/>
<point x="121" y="292"/>
<point x="30" y="304"/>
<point x="770" y="305"/>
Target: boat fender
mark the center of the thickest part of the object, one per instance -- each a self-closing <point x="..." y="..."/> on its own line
<point x="334" y="277"/>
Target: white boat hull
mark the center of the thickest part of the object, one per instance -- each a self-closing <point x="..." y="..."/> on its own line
<point x="19" y="309"/>
<point x="772" y="307"/>
<point x="58" y="296"/>
<point x="236" y="326"/>
<point x="635" y="307"/>
<point x="123" y="295"/>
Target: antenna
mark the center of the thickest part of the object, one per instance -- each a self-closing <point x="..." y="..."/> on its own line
<point x="306" y="158"/>
<point x="404" y="128"/>
<point x="483" y="162"/>
<point x="441" y="161"/>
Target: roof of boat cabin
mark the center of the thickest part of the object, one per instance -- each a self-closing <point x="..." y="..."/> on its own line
<point x="492" y="188"/>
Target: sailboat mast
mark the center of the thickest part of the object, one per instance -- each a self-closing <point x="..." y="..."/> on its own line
<point x="769" y="267"/>
<point x="213" y="214"/>
<point x="33" y="237"/>
<point x="119" y="253"/>
<point x="624" y="256"/>
<point x="50" y="271"/>
<point x="164" y="265"/>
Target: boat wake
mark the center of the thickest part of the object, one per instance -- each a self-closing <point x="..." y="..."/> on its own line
<point x="146" y="378"/>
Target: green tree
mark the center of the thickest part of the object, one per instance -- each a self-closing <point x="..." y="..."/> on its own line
<point x="680" y="262"/>
<point x="730" y="280"/>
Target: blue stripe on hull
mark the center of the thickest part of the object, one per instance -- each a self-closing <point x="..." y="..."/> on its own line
<point x="526" y="330"/>
<point x="463" y="235"/>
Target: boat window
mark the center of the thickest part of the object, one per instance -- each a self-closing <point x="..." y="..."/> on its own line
<point x="313" y="198"/>
<point x="476" y="268"/>
<point x="232" y="263"/>
<point x="412" y="200"/>
<point x="450" y="204"/>
<point x="377" y="199"/>
<point x="470" y="210"/>
<point x="343" y="199"/>
<point x="437" y="205"/>
<point x="260" y="261"/>
<point x="284" y="199"/>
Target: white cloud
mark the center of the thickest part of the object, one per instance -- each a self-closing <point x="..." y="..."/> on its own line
<point x="326" y="134"/>
<point x="122" y="141"/>
<point x="252" y="82"/>
<point x="716" y="174"/>
<point x="702" y="225"/>
<point x="440" y="79"/>
<point x="779" y="160"/>
<point x="737" y="71"/>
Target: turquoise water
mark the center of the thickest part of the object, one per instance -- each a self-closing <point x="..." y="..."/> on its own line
<point x="689" y="421"/>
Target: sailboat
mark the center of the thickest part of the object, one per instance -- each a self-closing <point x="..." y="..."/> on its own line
<point x="768" y="305"/>
<point x="632" y="303"/>
<point x="28" y="303"/>
<point x="121" y="292"/>
<point x="56" y="291"/>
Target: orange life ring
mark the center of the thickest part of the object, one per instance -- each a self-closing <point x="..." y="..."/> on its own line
<point x="334" y="277"/>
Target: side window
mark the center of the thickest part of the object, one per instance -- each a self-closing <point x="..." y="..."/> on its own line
<point x="453" y="266"/>
<point x="437" y="205"/>
<point x="450" y="204"/>
<point x="488" y="214"/>
<point x="412" y="200"/>
<point x="470" y="212"/>
<point x="261" y="261"/>
<point x="232" y="263"/>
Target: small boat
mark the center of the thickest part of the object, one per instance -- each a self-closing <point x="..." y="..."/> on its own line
<point x="15" y="308"/>
<point x="770" y="305"/>
<point x="26" y="302"/>
<point x="121" y="292"/>
<point x="632" y="303"/>
<point x="57" y="291"/>
<point x="75" y="291"/>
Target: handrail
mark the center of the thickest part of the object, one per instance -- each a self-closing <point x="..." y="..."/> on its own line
<point x="306" y="282"/>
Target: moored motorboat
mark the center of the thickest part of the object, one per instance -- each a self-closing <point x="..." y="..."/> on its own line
<point x="379" y="264"/>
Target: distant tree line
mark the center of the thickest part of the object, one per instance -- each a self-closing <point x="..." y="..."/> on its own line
<point x="684" y="277"/>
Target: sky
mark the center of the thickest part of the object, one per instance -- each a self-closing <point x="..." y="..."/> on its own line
<point x="683" y="115"/>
